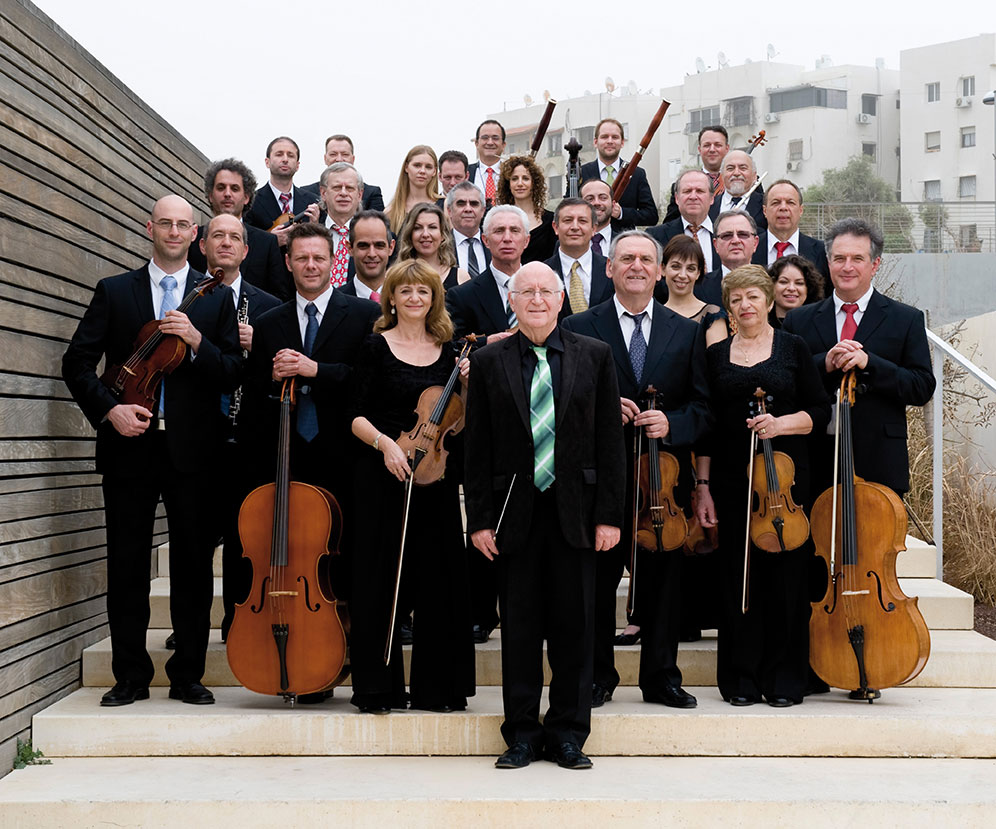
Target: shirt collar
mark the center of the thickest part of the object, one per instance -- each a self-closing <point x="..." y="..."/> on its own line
<point x="793" y="240"/>
<point x="617" y="165"/>
<point x="157" y="273"/>
<point x="500" y="277"/>
<point x="321" y="302"/>
<point x="584" y="260"/>
<point x="277" y="193"/>
<point x="862" y="301"/>
<point x="460" y="238"/>
<point x="621" y="309"/>
<point x="236" y="287"/>
<point x="706" y="223"/>
<point x="553" y="341"/>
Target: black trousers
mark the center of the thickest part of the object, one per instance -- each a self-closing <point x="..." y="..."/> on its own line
<point x="546" y="591"/>
<point x="130" y="509"/>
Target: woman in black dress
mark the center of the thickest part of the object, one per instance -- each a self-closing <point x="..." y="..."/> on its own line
<point x="409" y="351"/>
<point x="763" y="654"/>
<point x="523" y="184"/>
<point x="427" y="236"/>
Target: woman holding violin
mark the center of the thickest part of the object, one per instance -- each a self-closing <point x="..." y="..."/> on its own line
<point x="523" y="184"/>
<point x="763" y="633"/>
<point x="427" y="236"/>
<point x="409" y="352"/>
<point x="418" y="182"/>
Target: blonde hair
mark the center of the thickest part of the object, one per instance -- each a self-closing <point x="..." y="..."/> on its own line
<point x="748" y="276"/>
<point x="415" y="272"/>
<point x="446" y="254"/>
<point x="396" y="209"/>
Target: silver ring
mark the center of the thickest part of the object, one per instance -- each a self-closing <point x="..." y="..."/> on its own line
<point x="763" y="431"/>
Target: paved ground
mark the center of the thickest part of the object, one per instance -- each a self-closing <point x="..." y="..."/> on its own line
<point x="985" y="619"/>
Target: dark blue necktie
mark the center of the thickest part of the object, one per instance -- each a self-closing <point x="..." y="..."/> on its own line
<point x="637" y="345"/>
<point x="307" y="417"/>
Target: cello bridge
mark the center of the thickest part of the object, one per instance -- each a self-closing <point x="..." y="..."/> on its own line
<point x="855" y="592"/>
<point x="275" y="593"/>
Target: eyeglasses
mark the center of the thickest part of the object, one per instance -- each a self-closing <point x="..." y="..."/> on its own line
<point x="740" y="234"/>
<point x="166" y="224"/>
<point x="544" y="294"/>
<point x="345" y="188"/>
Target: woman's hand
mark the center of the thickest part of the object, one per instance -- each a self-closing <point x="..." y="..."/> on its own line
<point x="394" y="458"/>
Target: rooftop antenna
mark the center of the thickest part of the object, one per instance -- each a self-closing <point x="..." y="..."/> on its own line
<point x="610" y="85"/>
<point x="700" y="66"/>
<point x="772" y="52"/>
<point x="722" y="61"/>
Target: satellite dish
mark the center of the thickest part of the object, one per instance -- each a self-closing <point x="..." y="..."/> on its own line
<point x="700" y="66"/>
<point x="747" y="60"/>
<point x="824" y="62"/>
<point x="771" y="51"/>
<point x="632" y="88"/>
<point x="527" y="99"/>
<point x="546" y="95"/>
<point x="722" y="61"/>
<point x="610" y="84"/>
<point x="587" y="92"/>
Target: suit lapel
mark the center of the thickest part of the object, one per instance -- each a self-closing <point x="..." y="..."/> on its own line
<point x="142" y="286"/>
<point x="289" y="326"/>
<point x="872" y="318"/>
<point x="568" y="372"/>
<point x="335" y="313"/>
<point x="601" y="285"/>
<point x="513" y="372"/>
<point x="490" y="299"/>
<point x="826" y="324"/>
<point x="607" y="326"/>
<point x="661" y="331"/>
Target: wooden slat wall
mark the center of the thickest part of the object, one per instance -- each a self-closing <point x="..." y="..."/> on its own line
<point x="82" y="160"/>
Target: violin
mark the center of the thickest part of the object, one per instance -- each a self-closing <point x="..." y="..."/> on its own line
<point x="285" y="220"/>
<point x="156" y="354"/>
<point x="288" y="637"/>
<point x="864" y="633"/>
<point x="659" y="525"/>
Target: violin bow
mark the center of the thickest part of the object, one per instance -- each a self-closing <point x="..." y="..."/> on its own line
<point x="637" y="448"/>
<point x="409" y="483"/>
<point x="750" y="502"/>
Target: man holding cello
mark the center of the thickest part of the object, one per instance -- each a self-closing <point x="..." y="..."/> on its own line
<point x="165" y="449"/>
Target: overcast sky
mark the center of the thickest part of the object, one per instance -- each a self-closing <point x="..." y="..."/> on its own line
<point x="230" y="76"/>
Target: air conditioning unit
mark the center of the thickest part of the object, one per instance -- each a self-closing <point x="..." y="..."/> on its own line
<point x="864" y="118"/>
<point x="793" y="166"/>
<point x="772" y="118"/>
<point x="963" y="102"/>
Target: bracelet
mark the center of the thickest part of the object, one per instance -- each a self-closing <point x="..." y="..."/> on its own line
<point x="701" y="482"/>
<point x="376" y="441"/>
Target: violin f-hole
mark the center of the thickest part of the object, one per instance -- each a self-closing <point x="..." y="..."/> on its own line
<point x="878" y="585"/>
<point x="258" y="607"/>
<point x="307" y="596"/>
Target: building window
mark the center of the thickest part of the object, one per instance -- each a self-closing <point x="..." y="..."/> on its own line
<point x="698" y="118"/>
<point x="933" y="92"/>
<point x="869" y="104"/>
<point x="739" y="112"/>
<point x="554" y="187"/>
<point x="795" y="150"/>
<point x="969" y="238"/>
<point x="968" y="136"/>
<point x="968" y="86"/>
<point x="932" y="190"/>
<point x="808" y="96"/>
<point x="555" y="143"/>
<point x="869" y="150"/>
<point x="933" y="141"/>
<point x="586" y="135"/>
<point x="966" y="187"/>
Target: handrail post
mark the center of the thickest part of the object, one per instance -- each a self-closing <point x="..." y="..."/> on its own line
<point x="937" y="458"/>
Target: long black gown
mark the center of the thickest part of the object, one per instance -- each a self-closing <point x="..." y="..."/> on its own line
<point x="434" y="575"/>
<point x="765" y="652"/>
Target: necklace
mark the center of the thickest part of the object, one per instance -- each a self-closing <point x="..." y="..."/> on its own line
<point x="751" y="355"/>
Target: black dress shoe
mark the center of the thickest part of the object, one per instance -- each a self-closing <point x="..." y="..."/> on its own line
<point x="171" y="642"/>
<point x="568" y="756"/>
<point x="481" y="635"/>
<point x="672" y="697"/>
<point x="191" y="692"/>
<point x="780" y="702"/>
<point x="124" y="693"/>
<point x="627" y="638"/>
<point x="741" y="702"/>
<point x="599" y="695"/>
<point x="375" y="709"/>
<point x="315" y="698"/>
<point x="516" y="756"/>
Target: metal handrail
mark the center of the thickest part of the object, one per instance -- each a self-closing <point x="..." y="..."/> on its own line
<point x="941" y="350"/>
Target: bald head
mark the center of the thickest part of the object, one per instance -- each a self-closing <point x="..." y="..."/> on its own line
<point x="171" y="229"/>
<point x="224" y="246"/>
<point x="536" y="294"/>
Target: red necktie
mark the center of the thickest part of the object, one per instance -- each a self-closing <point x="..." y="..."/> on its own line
<point x="780" y="248"/>
<point x="489" y="186"/>
<point x="340" y="263"/>
<point x="375" y="296"/>
<point x="285" y="202"/>
<point x="850" y="327"/>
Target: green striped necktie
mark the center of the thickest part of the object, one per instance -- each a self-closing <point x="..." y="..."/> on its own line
<point x="541" y="420"/>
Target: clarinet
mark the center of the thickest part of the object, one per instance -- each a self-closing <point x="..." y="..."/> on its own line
<point x="236" y="404"/>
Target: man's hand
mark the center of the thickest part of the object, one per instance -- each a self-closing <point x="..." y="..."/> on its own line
<point x="290" y="363"/>
<point x="655" y="421"/>
<point x="245" y="336"/>
<point x="606" y="537"/>
<point x="313" y="210"/>
<point x="616" y="210"/>
<point x="847" y="354"/>
<point x="281" y="235"/>
<point x="484" y="540"/>
<point x="629" y="409"/>
<point x="129" y="419"/>
<point x="177" y="322"/>
<point x="705" y="509"/>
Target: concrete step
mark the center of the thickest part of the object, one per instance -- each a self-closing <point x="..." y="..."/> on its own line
<point x="159" y="604"/>
<point x="162" y="561"/>
<point x="433" y="792"/>
<point x="958" y="659"/>
<point x="906" y="722"/>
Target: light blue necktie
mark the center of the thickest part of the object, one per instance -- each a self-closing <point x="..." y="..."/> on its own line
<point x="169" y="303"/>
<point x="307" y="416"/>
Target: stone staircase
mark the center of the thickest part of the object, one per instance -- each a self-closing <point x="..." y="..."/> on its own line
<point x="923" y="755"/>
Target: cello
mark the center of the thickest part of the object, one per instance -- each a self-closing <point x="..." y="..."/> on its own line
<point x="288" y="637"/>
<point x="864" y="633"/>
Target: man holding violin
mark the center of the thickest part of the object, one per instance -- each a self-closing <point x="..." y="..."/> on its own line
<point x="166" y="451"/>
<point x="652" y="346"/>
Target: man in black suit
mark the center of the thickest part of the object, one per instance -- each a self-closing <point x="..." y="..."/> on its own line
<point x="489" y="140"/>
<point x="230" y="186"/>
<point x="453" y="168"/>
<point x="544" y="495"/>
<point x="340" y="186"/>
<point x="714" y="144"/>
<point x="735" y="241"/>
<point x="279" y="195"/>
<point x="884" y="340"/>
<point x="240" y="469"/>
<point x="694" y="200"/>
<point x="370" y="245"/>
<point x="465" y="208"/>
<point x="339" y="148"/>
<point x="783" y="210"/>
<point x="668" y="352"/>
<point x="637" y="205"/>
<point x="599" y="195"/>
<point x="580" y="269"/>
<point x="168" y="450"/>
<point x="739" y="175"/>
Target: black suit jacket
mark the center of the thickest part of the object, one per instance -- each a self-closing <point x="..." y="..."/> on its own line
<point x="589" y="459"/>
<point x="812" y="249"/>
<point x="664" y="233"/>
<point x="898" y="375"/>
<point x="121" y="305"/>
<point x="476" y="307"/>
<point x="265" y="209"/>
<point x="755" y="209"/>
<point x="601" y="286"/>
<point x="372" y="198"/>
<point x="263" y="266"/>
<point x="249" y="424"/>
<point x="637" y="202"/>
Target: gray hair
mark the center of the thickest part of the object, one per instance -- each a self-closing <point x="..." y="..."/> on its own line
<point x="683" y="173"/>
<point x="750" y="158"/>
<point x="635" y="234"/>
<point x="729" y="214"/>
<point x="518" y="212"/>
<point x="514" y="278"/>
<point x="339" y="167"/>
<point x="853" y="226"/>
<point x="466" y="184"/>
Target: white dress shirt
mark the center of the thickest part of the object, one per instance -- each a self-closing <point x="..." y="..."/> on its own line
<point x="627" y="325"/>
<point x="321" y="303"/>
<point x="793" y="247"/>
<point x="277" y="194"/>
<point x="727" y="203"/>
<point x="155" y="277"/>
<point x="501" y="280"/>
<point x="617" y="166"/>
<point x="362" y="291"/>
<point x="704" y="237"/>
<point x="606" y="234"/>
<point x="584" y="271"/>
<point x="236" y="287"/>
<point x="482" y="176"/>
<point x="841" y="314"/>
<point x="462" y="247"/>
